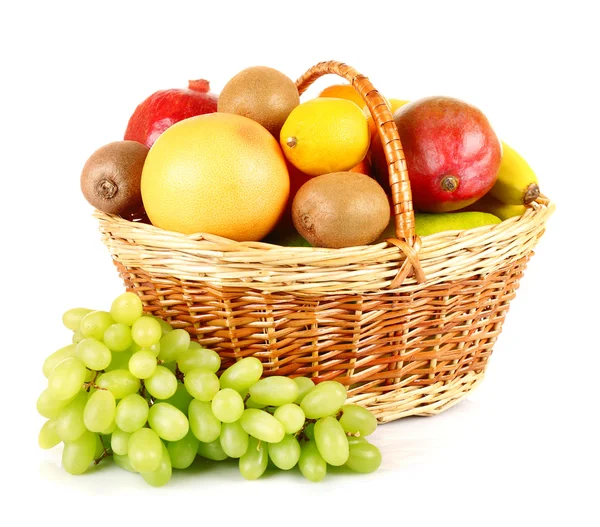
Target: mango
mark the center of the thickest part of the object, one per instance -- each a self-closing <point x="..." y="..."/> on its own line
<point x="432" y="223"/>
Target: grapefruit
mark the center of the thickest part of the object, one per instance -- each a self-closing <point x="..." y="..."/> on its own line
<point x="218" y="173"/>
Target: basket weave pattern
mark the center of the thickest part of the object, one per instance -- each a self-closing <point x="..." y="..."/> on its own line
<point x="407" y="324"/>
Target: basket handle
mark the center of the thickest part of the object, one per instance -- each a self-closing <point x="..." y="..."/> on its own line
<point x="406" y="239"/>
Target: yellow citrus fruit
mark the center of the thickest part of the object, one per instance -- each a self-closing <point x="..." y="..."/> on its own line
<point x="343" y="91"/>
<point x="217" y="173"/>
<point x="325" y="135"/>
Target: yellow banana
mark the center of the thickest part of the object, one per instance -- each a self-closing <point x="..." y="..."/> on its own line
<point x="516" y="183"/>
<point x="494" y="206"/>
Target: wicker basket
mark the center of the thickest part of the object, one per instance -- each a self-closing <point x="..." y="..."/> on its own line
<point x="408" y="324"/>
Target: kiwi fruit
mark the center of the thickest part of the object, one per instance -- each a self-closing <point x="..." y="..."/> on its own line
<point x="340" y="209"/>
<point x="110" y="179"/>
<point x="262" y="94"/>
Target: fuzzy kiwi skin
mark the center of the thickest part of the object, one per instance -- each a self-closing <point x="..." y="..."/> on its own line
<point x="262" y="94"/>
<point x="341" y="209"/>
<point x="110" y="179"/>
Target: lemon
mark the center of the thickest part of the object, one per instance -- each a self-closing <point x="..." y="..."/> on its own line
<point x="325" y="135"/>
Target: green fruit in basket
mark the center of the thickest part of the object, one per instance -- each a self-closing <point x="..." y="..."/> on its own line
<point x="146" y="331"/>
<point x="305" y="385"/>
<point x="78" y="455"/>
<point x="72" y="318"/>
<point x="48" y="438"/>
<point x="58" y="356"/>
<point x="202" y="384"/>
<point x="291" y="416"/>
<point x="427" y="224"/>
<point x="119" y="441"/>
<point x="198" y="357"/>
<point x="162" y="384"/>
<point x="173" y="344"/>
<point x="120" y="382"/>
<point x="205" y="426"/>
<point x="110" y="179"/>
<point x="162" y="475"/>
<point x="142" y="364"/>
<point x="262" y="425"/>
<point x="118" y="337"/>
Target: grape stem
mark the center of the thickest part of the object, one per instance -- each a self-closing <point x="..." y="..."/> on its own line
<point x="92" y="383"/>
<point x="105" y="453"/>
<point x="179" y="375"/>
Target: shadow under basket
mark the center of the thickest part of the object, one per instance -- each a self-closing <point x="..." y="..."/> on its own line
<point x="407" y="324"/>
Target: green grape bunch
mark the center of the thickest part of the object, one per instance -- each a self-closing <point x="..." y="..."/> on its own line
<point x="132" y="389"/>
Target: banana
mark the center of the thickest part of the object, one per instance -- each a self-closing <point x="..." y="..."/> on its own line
<point x="516" y="183"/>
<point x="491" y="205"/>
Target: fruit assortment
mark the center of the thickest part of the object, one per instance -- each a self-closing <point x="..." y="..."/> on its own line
<point x="132" y="389"/>
<point x="254" y="163"/>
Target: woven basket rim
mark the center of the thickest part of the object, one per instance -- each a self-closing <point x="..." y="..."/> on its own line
<point x="221" y="262"/>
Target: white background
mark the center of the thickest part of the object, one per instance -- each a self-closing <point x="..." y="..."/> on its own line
<point x="521" y="450"/>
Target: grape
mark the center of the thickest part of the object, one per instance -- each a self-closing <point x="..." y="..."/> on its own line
<point x="205" y="426"/>
<point x="251" y="403"/>
<point x="309" y="431"/>
<point x="119" y="441"/>
<point x="254" y="462"/>
<point x="172" y="344"/>
<point x="312" y="465"/>
<point x="154" y="349"/>
<point x="183" y="452"/>
<point x="144" y="450"/>
<point x="120" y="382"/>
<point x="274" y="391"/>
<point x="181" y="399"/>
<point x="164" y="325"/>
<point x="234" y="439"/>
<point x="162" y="475"/>
<point x="291" y="417"/>
<point x="364" y="457"/>
<point x="72" y="318"/>
<point x="286" y="453"/>
<point x="126" y="308"/>
<point x="119" y="361"/>
<point x="197" y="357"/>
<point x="69" y="423"/>
<point x="77" y="337"/>
<point x="118" y="337"/>
<point x="241" y="375"/>
<point x="123" y="462"/>
<point x="202" y="384"/>
<point x="94" y="324"/>
<point x="324" y="399"/>
<point x="48" y="437"/>
<point x="212" y="450"/>
<point x="99" y="447"/>
<point x="67" y="379"/>
<point x="78" y="455"/>
<point x="262" y="425"/>
<point x="162" y="384"/>
<point x="99" y="411"/>
<point x="93" y="353"/>
<point x="331" y="441"/>
<point x="57" y="357"/>
<point x="168" y="422"/>
<point x="146" y="331"/>
<point x="48" y="406"/>
<point x="132" y="413"/>
<point x="110" y="428"/>
<point x="227" y="405"/>
<point x="305" y="385"/>
<point x="356" y="419"/>
<point x="142" y="364"/>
